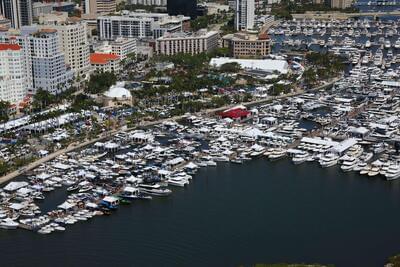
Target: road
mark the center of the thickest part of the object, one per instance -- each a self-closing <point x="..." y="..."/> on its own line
<point x="107" y="134"/>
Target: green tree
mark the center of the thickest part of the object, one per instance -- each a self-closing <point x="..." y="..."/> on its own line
<point x="99" y="82"/>
<point x="42" y="99"/>
<point x="4" y="110"/>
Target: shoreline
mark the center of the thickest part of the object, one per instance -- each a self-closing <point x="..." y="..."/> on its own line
<point x="105" y="135"/>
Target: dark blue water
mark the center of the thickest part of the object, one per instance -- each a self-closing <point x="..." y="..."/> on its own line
<point x="259" y="212"/>
<point x="363" y="6"/>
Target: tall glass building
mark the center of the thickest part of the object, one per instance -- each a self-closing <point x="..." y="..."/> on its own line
<point x="182" y="7"/>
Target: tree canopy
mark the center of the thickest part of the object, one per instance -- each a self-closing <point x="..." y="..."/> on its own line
<point x="99" y="82"/>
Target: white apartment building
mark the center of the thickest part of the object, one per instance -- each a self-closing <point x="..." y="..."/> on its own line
<point x="99" y="7"/>
<point x="21" y="38"/>
<point x="13" y="87"/>
<point x="194" y="43"/>
<point x="103" y="62"/>
<point x="342" y="4"/>
<point x="50" y="72"/>
<point x="139" y="25"/>
<point x="121" y="47"/>
<point x="148" y="2"/>
<point x="244" y="15"/>
<point x="112" y="27"/>
<point x="73" y="41"/>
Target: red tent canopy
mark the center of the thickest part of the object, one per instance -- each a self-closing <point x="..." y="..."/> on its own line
<point x="235" y="113"/>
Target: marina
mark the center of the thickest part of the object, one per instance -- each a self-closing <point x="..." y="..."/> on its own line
<point x="285" y="153"/>
<point x="353" y="125"/>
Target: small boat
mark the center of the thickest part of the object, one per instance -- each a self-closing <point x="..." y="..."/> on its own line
<point x="85" y="188"/>
<point x="277" y="154"/>
<point x="374" y="171"/>
<point x="73" y="188"/>
<point x="8" y="224"/>
<point x="156" y="192"/>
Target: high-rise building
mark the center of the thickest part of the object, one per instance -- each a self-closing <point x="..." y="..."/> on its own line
<point x="139" y="25"/>
<point x="19" y="12"/>
<point x="99" y="7"/>
<point x="193" y="43"/>
<point x="244" y="45"/>
<point x="50" y="72"/>
<point x="148" y="2"/>
<point x="21" y="38"/>
<point x="342" y="4"/>
<point x="13" y="85"/>
<point x="121" y="47"/>
<point x="73" y="40"/>
<point x="182" y="7"/>
<point x="244" y="15"/>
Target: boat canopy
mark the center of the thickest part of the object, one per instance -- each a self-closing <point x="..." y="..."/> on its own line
<point x="344" y="145"/>
<point x="66" y="205"/>
<point x="14" y="186"/>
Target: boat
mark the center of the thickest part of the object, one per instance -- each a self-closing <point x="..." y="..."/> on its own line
<point x="349" y="164"/>
<point x="277" y="154"/>
<point x="156" y="192"/>
<point x="387" y="44"/>
<point x="328" y="160"/>
<point x="85" y="188"/>
<point x="393" y="172"/>
<point x="73" y="188"/>
<point x="300" y="158"/>
<point x="177" y="181"/>
<point x="8" y="224"/>
<point x="397" y="44"/>
<point x="373" y="171"/>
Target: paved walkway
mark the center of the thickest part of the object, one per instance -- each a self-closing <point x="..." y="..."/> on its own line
<point x="105" y="135"/>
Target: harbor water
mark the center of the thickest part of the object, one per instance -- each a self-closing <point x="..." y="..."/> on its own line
<point x="231" y="215"/>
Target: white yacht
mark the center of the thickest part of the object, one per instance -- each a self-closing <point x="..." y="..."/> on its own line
<point x="368" y="44"/>
<point x="387" y="44"/>
<point x="397" y="44"/>
<point x="328" y="160"/>
<point x="177" y="181"/>
<point x="300" y="157"/>
<point x="374" y="171"/>
<point x="8" y="224"/>
<point x="393" y="172"/>
<point x="349" y="164"/>
<point x="277" y="154"/>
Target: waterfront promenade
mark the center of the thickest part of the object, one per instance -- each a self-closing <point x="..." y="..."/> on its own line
<point x="108" y="134"/>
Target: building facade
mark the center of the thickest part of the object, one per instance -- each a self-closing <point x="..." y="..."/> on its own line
<point x="148" y="2"/>
<point x="49" y="70"/>
<point x="73" y="41"/>
<point x="4" y="23"/>
<point x="243" y="45"/>
<point x="182" y="7"/>
<point x="342" y="4"/>
<point x="21" y="38"/>
<point x="121" y="47"/>
<point x="244" y="15"/>
<point x="194" y="43"/>
<point x="99" y="7"/>
<point x="19" y="12"/>
<point x="13" y="87"/>
<point x="105" y="62"/>
<point x="139" y="25"/>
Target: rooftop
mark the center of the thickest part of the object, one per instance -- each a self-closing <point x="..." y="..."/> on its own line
<point x="102" y="58"/>
<point x="9" y="47"/>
